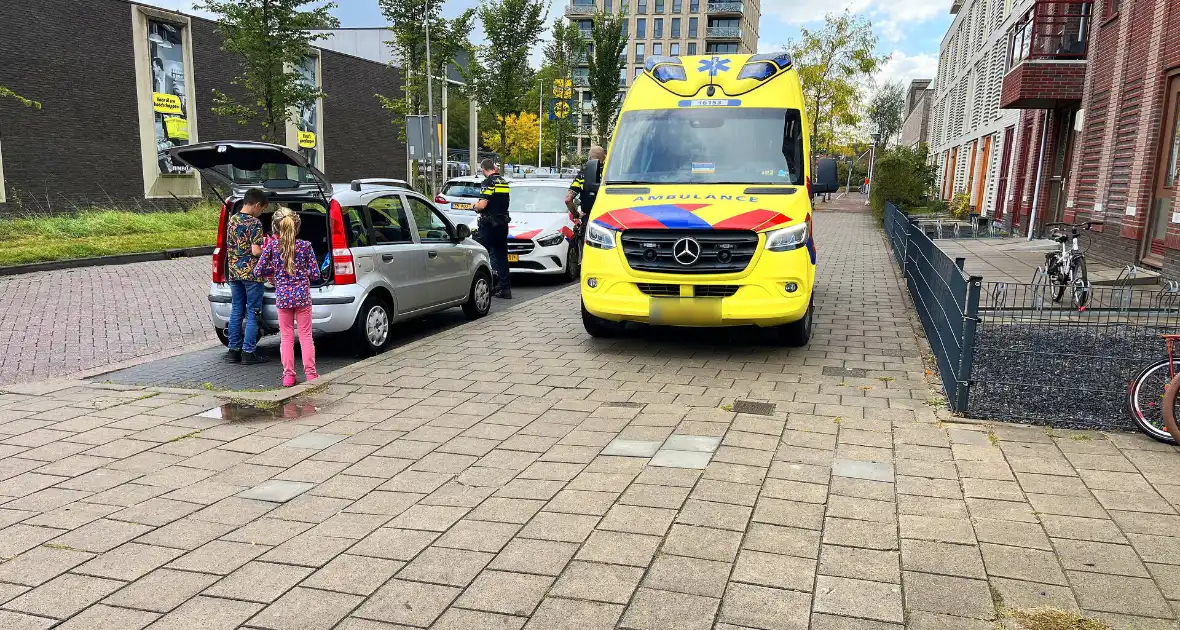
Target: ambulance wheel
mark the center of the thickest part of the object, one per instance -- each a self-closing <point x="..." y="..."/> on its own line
<point x="797" y="334"/>
<point x="599" y="327"/>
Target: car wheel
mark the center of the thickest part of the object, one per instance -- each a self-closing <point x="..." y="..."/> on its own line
<point x="372" y="328"/>
<point x="797" y="334"/>
<point x="599" y="327"/>
<point x="222" y="336"/>
<point x="573" y="263"/>
<point x="479" y="299"/>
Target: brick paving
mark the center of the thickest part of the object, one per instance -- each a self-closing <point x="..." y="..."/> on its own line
<point x="457" y="483"/>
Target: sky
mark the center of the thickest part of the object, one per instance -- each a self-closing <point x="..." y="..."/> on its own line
<point x="908" y="30"/>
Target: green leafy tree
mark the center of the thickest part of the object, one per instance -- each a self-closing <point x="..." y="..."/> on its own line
<point x="886" y="112"/>
<point x="407" y="23"/>
<point x="565" y="49"/>
<point x="7" y="93"/>
<point x="610" y="41"/>
<point x="270" y="38"/>
<point x="832" y="61"/>
<point x="901" y="175"/>
<point x="512" y="28"/>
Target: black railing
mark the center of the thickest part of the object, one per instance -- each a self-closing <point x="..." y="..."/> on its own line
<point x="945" y="297"/>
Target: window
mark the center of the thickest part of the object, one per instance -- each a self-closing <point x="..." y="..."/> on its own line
<point x="169" y="98"/>
<point x="692" y="48"/>
<point x="674" y="49"/>
<point x="659" y="6"/>
<point x="708" y="145"/>
<point x="726" y="23"/>
<point x="624" y="27"/>
<point x="431" y="226"/>
<point x="677" y="6"/>
<point x="609" y="6"/>
<point x="694" y="6"/>
<point x="657" y="30"/>
<point x="675" y="27"/>
<point x="622" y="77"/>
<point x="354" y="227"/>
<point x="538" y="198"/>
<point x="639" y="52"/>
<point x="1173" y="149"/>
<point x="692" y="27"/>
<point x="387" y="216"/>
<point x="641" y="7"/>
<point x="720" y="48"/>
<point x="1112" y="7"/>
<point x="641" y="28"/>
<point x="638" y="70"/>
<point x="657" y="49"/>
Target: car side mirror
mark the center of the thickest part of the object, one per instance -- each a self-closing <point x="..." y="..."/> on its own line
<point x="590" y="181"/>
<point x="824" y="179"/>
<point x="462" y="232"/>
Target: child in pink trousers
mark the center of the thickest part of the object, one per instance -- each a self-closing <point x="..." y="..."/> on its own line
<point x="291" y="266"/>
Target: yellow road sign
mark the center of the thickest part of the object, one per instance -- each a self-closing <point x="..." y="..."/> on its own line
<point x="562" y="88"/>
<point x="561" y="109"/>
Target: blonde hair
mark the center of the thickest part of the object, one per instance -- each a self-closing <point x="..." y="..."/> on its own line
<point x="285" y="225"/>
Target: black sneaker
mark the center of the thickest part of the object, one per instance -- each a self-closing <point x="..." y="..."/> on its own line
<point x="233" y="356"/>
<point x="504" y="295"/>
<point x="251" y="358"/>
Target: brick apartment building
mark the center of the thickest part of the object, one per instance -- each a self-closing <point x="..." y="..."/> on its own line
<point x="915" y="126"/>
<point x="1128" y="157"/>
<point x="121" y="82"/>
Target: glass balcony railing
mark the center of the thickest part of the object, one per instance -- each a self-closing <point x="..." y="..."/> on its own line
<point x="580" y="9"/>
<point x="1051" y="30"/>
<point x="725" y="7"/>
<point x="723" y="32"/>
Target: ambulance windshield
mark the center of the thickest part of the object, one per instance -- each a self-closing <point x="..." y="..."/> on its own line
<point x="707" y="145"/>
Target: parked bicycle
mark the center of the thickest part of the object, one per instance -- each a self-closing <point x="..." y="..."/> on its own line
<point x="1067" y="268"/>
<point x="1152" y="397"/>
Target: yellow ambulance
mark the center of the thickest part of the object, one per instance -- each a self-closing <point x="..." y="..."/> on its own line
<point x="703" y="215"/>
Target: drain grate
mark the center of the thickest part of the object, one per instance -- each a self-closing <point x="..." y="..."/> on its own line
<point x="843" y="371"/>
<point x="753" y="407"/>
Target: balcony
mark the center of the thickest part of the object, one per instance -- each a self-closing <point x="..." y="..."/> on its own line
<point x="587" y="34"/>
<point x="581" y="9"/>
<point x="1047" y="50"/>
<point x="580" y="80"/>
<point x="725" y="8"/>
<point x="723" y="32"/>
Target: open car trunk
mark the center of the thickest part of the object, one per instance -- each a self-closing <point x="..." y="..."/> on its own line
<point x="313" y="228"/>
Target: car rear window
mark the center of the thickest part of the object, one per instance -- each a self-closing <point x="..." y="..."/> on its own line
<point x="461" y="189"/>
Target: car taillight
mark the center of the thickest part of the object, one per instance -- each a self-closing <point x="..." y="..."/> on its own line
<point x="219" y="250"/>
<point x="440" y="199"/>
<point x="343" y="271"/>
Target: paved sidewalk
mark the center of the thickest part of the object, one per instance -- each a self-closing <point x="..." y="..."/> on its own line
<point x="547" y="480"/>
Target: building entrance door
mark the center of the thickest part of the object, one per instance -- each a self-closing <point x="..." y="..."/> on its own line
<point x="1002" y="182"/>
<point x="1059" y="182"/>
<point x="1167" y="178"/>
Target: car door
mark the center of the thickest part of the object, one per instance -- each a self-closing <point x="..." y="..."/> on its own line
<point x="447" y="268"/>
<point x="397" y="258"/>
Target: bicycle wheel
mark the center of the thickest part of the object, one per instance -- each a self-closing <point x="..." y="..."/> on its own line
<point x="1056" y="283"/>
<point x="1169" y="409"/>
<point x="1145" y="399"/>
<point x="1079" y="283"/>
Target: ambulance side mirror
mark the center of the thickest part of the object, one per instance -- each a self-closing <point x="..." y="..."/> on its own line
<point x="824" y="179"/>
<point x="590" y="181"/>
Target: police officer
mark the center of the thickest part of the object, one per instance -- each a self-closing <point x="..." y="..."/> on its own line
<point x="493" y="224"/>
<point x="577" y="189"/>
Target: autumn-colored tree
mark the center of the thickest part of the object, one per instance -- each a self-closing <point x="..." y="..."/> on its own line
<point x="519" y="137"/>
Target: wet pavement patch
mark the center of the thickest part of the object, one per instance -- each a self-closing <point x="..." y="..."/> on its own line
<point x="753" y="407"/>
<point x="261" y="410"/>
<point x="830" y="370"/>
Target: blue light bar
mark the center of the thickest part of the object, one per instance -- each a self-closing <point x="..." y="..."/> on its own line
<point x="668" y="72"/>
<point x="759" y="70"/>
<point x="780" y="59"/>
<point x="654" y="61"/>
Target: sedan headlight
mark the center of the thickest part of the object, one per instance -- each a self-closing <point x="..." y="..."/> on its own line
<point x="600" y="237"/>
<point x="786" y="239"/>
<point x="551" y="240"/>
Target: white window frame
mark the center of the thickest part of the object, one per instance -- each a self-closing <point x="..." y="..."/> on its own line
<point x="293" y="127"/>
<point x="157" y="185"/>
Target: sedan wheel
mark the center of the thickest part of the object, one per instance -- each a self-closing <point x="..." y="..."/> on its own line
<point x="371" y="330"/>
<point x="377" y="326"/>
<point x="479" y="300"/>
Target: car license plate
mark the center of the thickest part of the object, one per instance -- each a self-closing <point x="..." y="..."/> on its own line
<point x="685" y="311"/>
<point x="461" y="206"/>
<point x="513" y="258"/>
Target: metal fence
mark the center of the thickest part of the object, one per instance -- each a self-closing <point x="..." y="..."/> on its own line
<point x="1021" y="351"/>
<point x="945" y="297"/>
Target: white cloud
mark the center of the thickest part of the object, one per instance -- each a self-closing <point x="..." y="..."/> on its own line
<point x="184" y="6"/>
<point x="889" y="17"/>
<point x="905" y="68"/>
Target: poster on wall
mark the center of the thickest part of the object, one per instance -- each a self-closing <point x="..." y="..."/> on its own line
<point x="169" y="100"/>
<point x="308" y="123"/>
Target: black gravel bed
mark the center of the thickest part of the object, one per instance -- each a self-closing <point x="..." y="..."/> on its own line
<point x="1065" y="377"/>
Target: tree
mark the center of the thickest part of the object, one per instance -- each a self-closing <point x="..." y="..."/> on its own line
<point x="520" y="137"/>
<point x="512" y="28"/>
<point x="7" y="93"/>
<point x="831" y="63"/>
<point x="887" y="112"/>
<point x="901" y="175"/>
<point x="271" y="38"/>
<point x="566" y="48"/>
<point x="610" y="41"/>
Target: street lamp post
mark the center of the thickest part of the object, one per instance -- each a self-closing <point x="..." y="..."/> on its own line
<point x="430" y="104"/>
<point x="872" y="163"/>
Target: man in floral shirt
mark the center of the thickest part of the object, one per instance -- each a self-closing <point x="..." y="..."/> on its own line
<point x="243" y="243"/>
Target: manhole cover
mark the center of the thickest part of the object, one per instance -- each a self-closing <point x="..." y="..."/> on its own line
<point x="843" y="371"/>
<point x="756" y="408"/>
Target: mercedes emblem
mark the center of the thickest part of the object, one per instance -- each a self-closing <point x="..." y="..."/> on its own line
<point x="686" y="251"/>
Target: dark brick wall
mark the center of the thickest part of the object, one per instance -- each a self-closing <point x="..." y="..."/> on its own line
<point x="1043" y="85"/>
<point x="82" y="149"/>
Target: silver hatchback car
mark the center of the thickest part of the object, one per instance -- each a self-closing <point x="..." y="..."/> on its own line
<point x="387" y="254"/>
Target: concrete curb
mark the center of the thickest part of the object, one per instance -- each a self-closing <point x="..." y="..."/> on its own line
<point x="118" y="259"/>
